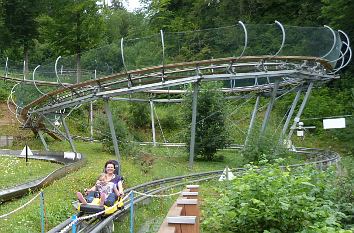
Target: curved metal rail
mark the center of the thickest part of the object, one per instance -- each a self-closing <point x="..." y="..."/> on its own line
<point x="178" y="74"/>
<point x="70" y="164"/>
<point x="317" y="157"/>
<point x="323" y="58"/>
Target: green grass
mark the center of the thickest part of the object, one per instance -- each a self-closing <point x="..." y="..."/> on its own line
<point x="16" y="171"/>
<point x="60" y="194"/>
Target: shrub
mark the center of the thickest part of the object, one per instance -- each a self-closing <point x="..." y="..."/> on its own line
<point x="139" y="114"/>
<point x="273" y="200"/>
<point x="211" y="131"/>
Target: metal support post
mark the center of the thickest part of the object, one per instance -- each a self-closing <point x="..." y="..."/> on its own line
<point x="74" y="227"/>
<point x="40" y="133"/>
<point x="111" y="127"/>
<point x="290" y="115"/>
<point x="301" y="109"/>
<point x="270" y="107"/>
<point x="68" y="134"/>
<point x="41" y="196"/>
<point x="132" y="212"/>
<point x="91" y="121"/>
<point x="152" y="122"/>
<point x="194" y="120"/>
<point x="253" y="119"/>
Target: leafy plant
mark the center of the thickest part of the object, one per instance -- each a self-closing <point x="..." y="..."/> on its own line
<point x="139" y="114"/>
<point x="273" y="200"/>
<point x="211" y="131"/>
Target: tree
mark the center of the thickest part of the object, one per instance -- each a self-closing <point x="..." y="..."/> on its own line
<point x="21" y="26"/>
<point x="72" y="27"/>
<point x="211" y="132"/>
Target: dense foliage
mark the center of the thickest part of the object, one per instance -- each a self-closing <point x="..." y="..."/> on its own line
<point x="277" y="200"/>
<point x="211" y="132"/>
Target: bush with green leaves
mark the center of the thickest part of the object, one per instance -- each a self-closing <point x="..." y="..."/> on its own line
<point x="264" y="147"/>
<point x="211" y="130"/>
<point x="139" y="114"/>
<point x="104" y="134"/>
<point x="275" y="200"/>
<point x="4" y="91"/>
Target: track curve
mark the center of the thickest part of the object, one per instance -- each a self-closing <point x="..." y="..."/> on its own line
<point x="70" y="164"/>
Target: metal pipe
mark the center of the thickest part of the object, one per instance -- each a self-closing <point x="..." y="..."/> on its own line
<point x="246" y="37"/>
<point x="334" y="41"/>
<point x="290" y="115"/>
<point x="194" y="121"/>
<point x="284" y="36"/>
<point x="253" y="118"/>
<point x="301" y="109"/>
<point x="91" y="121"/>
<point x="111" y="127"/>
<point x="40" y="133"/>
<point x="152" y="122"/>
<point x="68" y="134"/>
<point x="270" y="107"/>
<point x="34" y="81"/>
<point x="122" y="54"/>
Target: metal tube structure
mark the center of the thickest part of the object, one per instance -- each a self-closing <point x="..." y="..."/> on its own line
<point x="283" y="38"/>
<point x="253" y="119"/>
<point x="290" y="115"/>
<point x="24" y="70"/>
<point x="91" y="121"/>
<point x="111" y="127"/>
<point x="6" y="67"/>
<point x="55" y="127"/>
<point x="270" y="107"/>
<point x="334" y="41"/>
<point x="152" y="122"/>
<point x="194" y="121"/>
<point x="163" y="48"/>
<point x="40" y="133"/>
<point x="34" y="81"/>
<point x="301" y="109"/>
<point x="68" y="134"/>
<point x="122" y="54"/>
<point x="246" y="37"/>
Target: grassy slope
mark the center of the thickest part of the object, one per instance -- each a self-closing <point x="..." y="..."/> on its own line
<point x="59" y="195"/>
<point x="15" y="170"/>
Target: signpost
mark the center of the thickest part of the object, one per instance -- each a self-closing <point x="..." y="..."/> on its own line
<point x="26" y="151"/>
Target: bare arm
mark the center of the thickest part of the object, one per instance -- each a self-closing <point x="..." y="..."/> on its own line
<point x="116" y="191"/>
<point x="120" y="188"/>
<point x="92" y="189"/>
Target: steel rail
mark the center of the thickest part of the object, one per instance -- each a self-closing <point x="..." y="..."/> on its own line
<point x="181" y="65"/>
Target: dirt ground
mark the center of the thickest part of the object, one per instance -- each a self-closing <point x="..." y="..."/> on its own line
<point x="6" y="117"/>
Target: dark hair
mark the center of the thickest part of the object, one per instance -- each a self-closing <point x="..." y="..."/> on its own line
<point x="115" y="164"/>
<point x="110" y="162"/>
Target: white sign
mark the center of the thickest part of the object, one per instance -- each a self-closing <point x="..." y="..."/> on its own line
<point x="69" y="155"/>
<point x="29" y="152"/>
<point x="300" y="133"/>
<point x="335" y="123"/>
<point x="227" y="175"/>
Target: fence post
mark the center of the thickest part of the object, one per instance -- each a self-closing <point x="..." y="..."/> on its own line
<point x="132" y="212"/>
<point x="42" y="211"/>
<point x="73" y="228"/>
